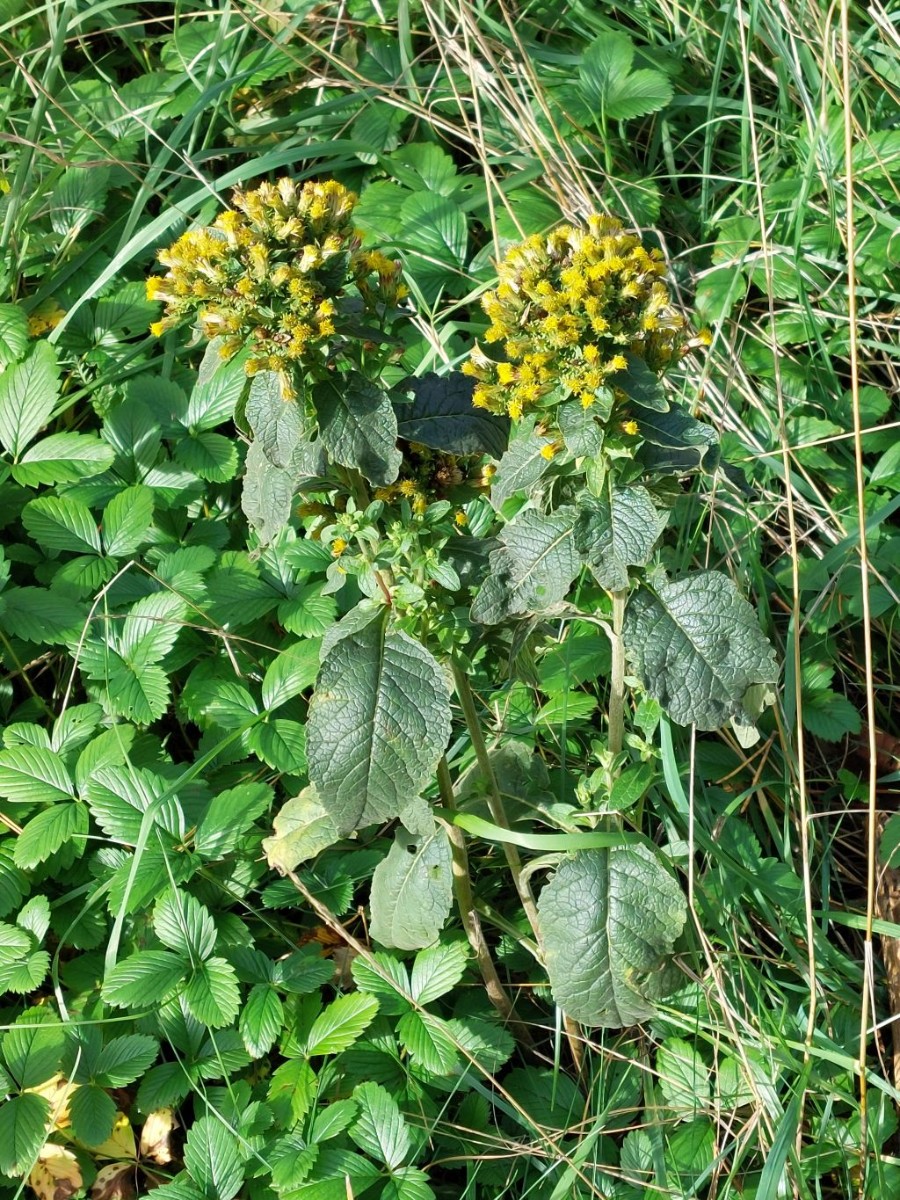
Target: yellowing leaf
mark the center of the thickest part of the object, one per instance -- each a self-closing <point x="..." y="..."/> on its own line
<point x="57" y="1091"/>
<point x="121" y="1144"/>
<point x="56" y="1174"/>
<point x="156" y="1136"/>
<point x="115" y="1181"/>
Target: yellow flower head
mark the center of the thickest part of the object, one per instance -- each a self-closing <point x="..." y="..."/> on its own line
<point x="338" y="546"/>
<point x="566" y="308"/>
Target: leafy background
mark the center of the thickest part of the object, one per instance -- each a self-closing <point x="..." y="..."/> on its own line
<point x="158" y="668"/>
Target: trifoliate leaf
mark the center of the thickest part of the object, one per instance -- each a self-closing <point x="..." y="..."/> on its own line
<point x="609" y="83"/>
<point x="378" y="722"/>
<point x="442" y="416"/>
<point x="28" y="392"/>
<point x="683" y="1076"/>
<point x="210" y="455"/>
<point x="358" y="427"/>
<point x="616" y="531"/>
<point x="697" y="647"/>
<point x="124" y="1059"/>
<point x="184" y="925"/>
<point x="412" y="891"/>
<point x="609" y="920"/>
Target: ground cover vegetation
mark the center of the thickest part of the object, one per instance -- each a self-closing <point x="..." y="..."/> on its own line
<point x="448" y="498"/>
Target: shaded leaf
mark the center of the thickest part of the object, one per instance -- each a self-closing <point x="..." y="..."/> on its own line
<point x="412" y="890"/>
<point x="442" y="416"/>
<point x="358" y="427"/>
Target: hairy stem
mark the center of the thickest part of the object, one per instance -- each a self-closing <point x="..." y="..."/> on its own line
<point x="465" y="903"/>
<point x="495" y="800"/>
<point x="616" y="723"/>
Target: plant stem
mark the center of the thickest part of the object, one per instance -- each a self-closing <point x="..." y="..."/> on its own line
<point x="616" y="720"/>
<point x="465" y="903"/>
<point x="494" y="798"/>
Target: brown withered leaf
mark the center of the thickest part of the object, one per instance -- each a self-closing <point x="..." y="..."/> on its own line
<point x="115" y="1181"/>
<point x="156" y="1136"/>
<point x="56" y="1174"/>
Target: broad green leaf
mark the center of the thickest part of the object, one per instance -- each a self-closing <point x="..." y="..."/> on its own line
<point x="582" y="433"/>
<point x="149" y="630"/>
<point x="63" y="458"/>
<point x="23" y="1125"/>
<point x="380" y="1130"/>
<point x="342" y="1023"/>
<point x="533" y="570"/>
<point x="292" y="672"/>
<point x="552" y="1099"/>
<point x="41" y="614"/>
<point x="267" y="493"/>
<point x="28" y="392"/>
<point x="281" y="744"/>
<point x="62" y="524"/>
<point x="697" y="647"/>
<point x="378" y="722"/>
<point x="521" y="467"/>
<point x="212" y="1159"/>
<point x="437" y="971"/>
<point x="212" y="993"/>
<point x="434" y="229"/>
<point x="230" y="814"/>
<point x="45" y="833"/>
<point x="13" y="334"/>
<point x="408" y="1183"/>
<point x="143" y="979"/>
<point x="427" y="1041"/>
<point x="308" y="613"/>
<point x="358" y="427"/>
<point x="609" y="919"/>
<point x="412" y="891"/>
<point x="209" y="455"/>
<point x="616" y="531"/>
<point x="278" y="424"/>
<point x="291" y="1091"/>
<point x="118" y="797"/>
<point x="683" y="1076"/>
<point x="302" y="829"/>
<point x="486" y="1041"/>
<point x="184" y="925"/>
<point x="830" y="716"/>
<point x="14" y="942"/>
<point x="674" y="442"/>
<point x="126" y="521"/>
<point x="33" y="1047"/>
<point x="14" y="883"/>
<point x="608" y="81"/>
<point x="217" y="391"/>
<point x="124" y="1059"/>
<point x="367" y="979"/>
<point x="35" y="916"/>
<point x="74" y="726"/>
<point x="33" y="775"/>
<point x="441" y="416"/>
<point x="25" y="976"/>
<point x="93" y="1114"/>
<point x="262" y="1018"/>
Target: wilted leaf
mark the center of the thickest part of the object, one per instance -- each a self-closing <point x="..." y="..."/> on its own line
<point x="56" y="1174"/>
<point x="303" y="828"/>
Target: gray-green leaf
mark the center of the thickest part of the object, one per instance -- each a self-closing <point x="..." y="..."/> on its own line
<point x="616" y="531"/>
<point x="412" y="891"/>
<point x="442" y="416"/>
<point x="697" y="647"/>
<point x="277" y="424"/>
<point x="609" y="920"/>
<point x="533" y="570"/>
<point x="378" y="722"/>
<point x="358" y="427"/>
<point x="521" y="467"/>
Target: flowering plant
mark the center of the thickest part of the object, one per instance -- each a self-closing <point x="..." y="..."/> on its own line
<point x="459" y="513"/>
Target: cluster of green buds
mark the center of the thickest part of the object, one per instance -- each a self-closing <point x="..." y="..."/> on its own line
<point x="569" y="307"/>
<point x="270" y="274"/>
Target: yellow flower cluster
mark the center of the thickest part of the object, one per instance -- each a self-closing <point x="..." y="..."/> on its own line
<point x="269" y="273"/>
<point x="568" y="308"/>
<point x="427" y="475"/>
